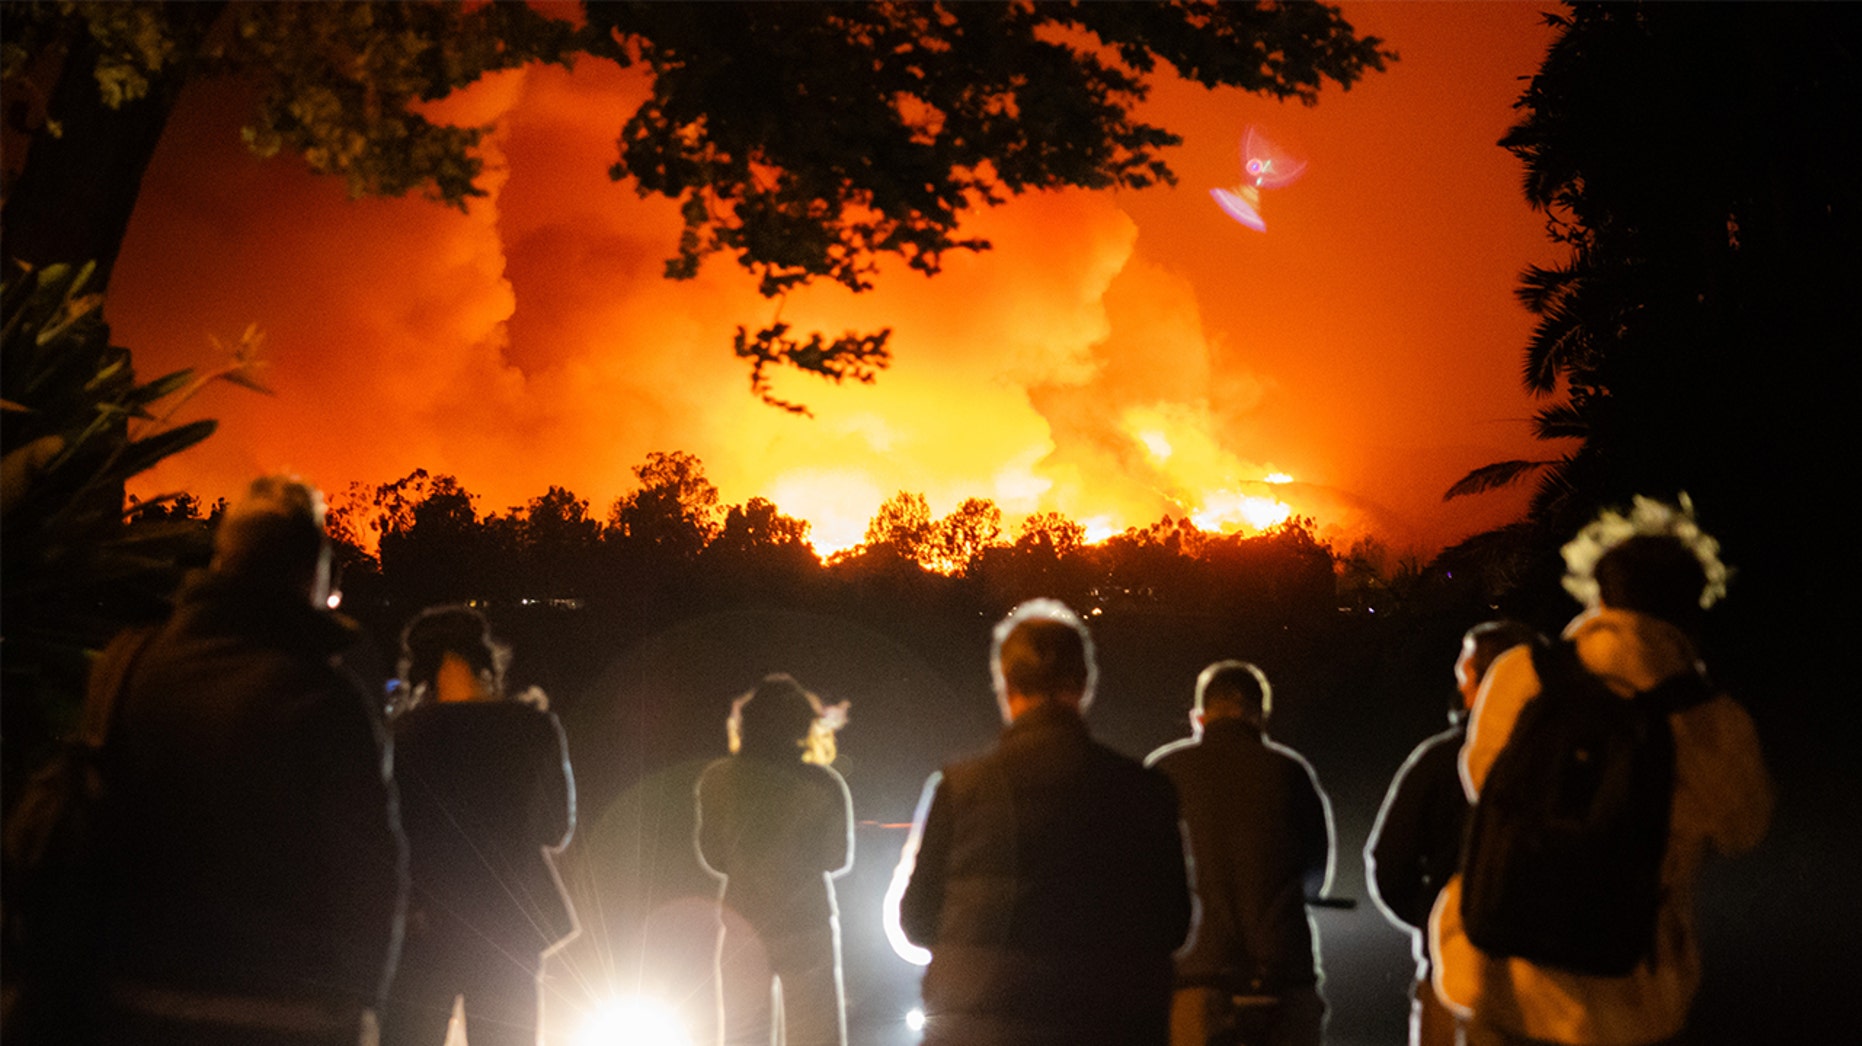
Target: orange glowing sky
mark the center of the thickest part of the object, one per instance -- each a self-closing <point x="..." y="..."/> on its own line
<point x="1117" y="356"/>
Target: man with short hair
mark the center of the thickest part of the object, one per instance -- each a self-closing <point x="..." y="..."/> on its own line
<point x="1645" y="580"/>
<point x="1415" y="843"/>
<point x="1046" y="877"/>
<point x="1260" y="837"/>
<point x="261" y="854"/>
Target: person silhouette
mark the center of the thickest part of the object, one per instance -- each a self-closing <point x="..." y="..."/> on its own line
<point x="258" y="840"/>
<point x="775" y="826"/>
<point x="1261" y="843"/>
<point x="1415" y="843"/>
<point x="1046" y="876"/>
<point x="486" y="791"/>
<point x="1646" y="580"/>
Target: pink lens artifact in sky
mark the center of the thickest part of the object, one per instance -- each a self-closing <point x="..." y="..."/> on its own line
<point x="1263" y="166"/>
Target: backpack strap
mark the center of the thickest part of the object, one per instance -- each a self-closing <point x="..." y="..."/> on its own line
<point x="1681" y="691"/>
<point x="109" y="677"/>
<point x="1557" y="664"/>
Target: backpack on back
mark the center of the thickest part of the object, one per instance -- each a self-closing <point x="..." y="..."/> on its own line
<point x="55" y="852"/>
<point x="1563" y="860"/>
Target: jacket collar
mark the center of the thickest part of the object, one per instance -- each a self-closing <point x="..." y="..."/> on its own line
<point x="1232" y="731"/>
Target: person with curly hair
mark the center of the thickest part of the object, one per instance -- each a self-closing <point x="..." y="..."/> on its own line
<point x="775" y="826"/>
<point x="486" y="794"/>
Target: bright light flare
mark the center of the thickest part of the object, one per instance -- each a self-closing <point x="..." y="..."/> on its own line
<point x="633" y="1022"/>
<point x="1263" y="166"/>
<point x="915" y="1019"/>
<point x="1276" y="477"/>
<point x="1156" y="443"/>
<point x="1225" y="510"/>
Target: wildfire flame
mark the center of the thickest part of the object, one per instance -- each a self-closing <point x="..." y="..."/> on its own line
<point x="1185" y="470"/>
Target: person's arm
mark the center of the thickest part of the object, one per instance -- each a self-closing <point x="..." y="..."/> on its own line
<point x="1170" y="847"/>
<point x="1318" y="837"/>
<point x="837" y="828"/>
<point x="708" y="818"/>
<point x="915" y="901"/>
<point x="555" y="813"/>
<point x="1395" y="854"/>
<point x="354" y="808"/>
<point x="1720" y="771"/>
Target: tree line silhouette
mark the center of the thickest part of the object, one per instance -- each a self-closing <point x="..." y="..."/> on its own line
<point x="670" y="548"/>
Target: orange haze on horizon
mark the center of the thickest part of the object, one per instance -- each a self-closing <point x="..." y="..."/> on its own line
<point x="1117" y="356"/>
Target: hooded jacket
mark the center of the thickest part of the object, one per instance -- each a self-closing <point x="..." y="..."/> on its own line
<point x="1723" y="800"/>
<point x="261" y="848"/>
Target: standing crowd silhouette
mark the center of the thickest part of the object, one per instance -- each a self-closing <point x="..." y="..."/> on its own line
<point x="293" y="861"/>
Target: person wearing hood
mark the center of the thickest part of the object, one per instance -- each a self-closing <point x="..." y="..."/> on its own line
<point x="258" y="836"/>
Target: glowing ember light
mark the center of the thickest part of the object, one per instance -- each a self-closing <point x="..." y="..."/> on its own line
<point x="1192" y="467"/>
<point x="635" y="1022"/>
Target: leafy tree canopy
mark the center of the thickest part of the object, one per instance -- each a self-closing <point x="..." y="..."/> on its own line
<point x="337" y="83"/>
<point x="1695" y="160"/>
<point x="811" y="139"/>
<point x="805" y="140"/>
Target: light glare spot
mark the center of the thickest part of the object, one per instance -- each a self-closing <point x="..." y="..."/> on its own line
<point x="633" y="1022"/>
<point x="915" y="1019"/>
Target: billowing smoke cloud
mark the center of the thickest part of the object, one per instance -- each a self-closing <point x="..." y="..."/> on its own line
<point x="533" y="341"/>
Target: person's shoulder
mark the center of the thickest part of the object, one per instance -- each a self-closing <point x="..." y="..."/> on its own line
<point x="519" y="715"/>
<point x="1519" y="664"/>
<point x="963" y="769"/>
<point x="1105" y="754"/>
<point x="823" y="776"/>
<point x="1436" y="751"/>
<point x="1281" y="750"/>
<point x="1114" y="765"/>
<point x="1165" y="756"/>
<point x="1290" y="760"/>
